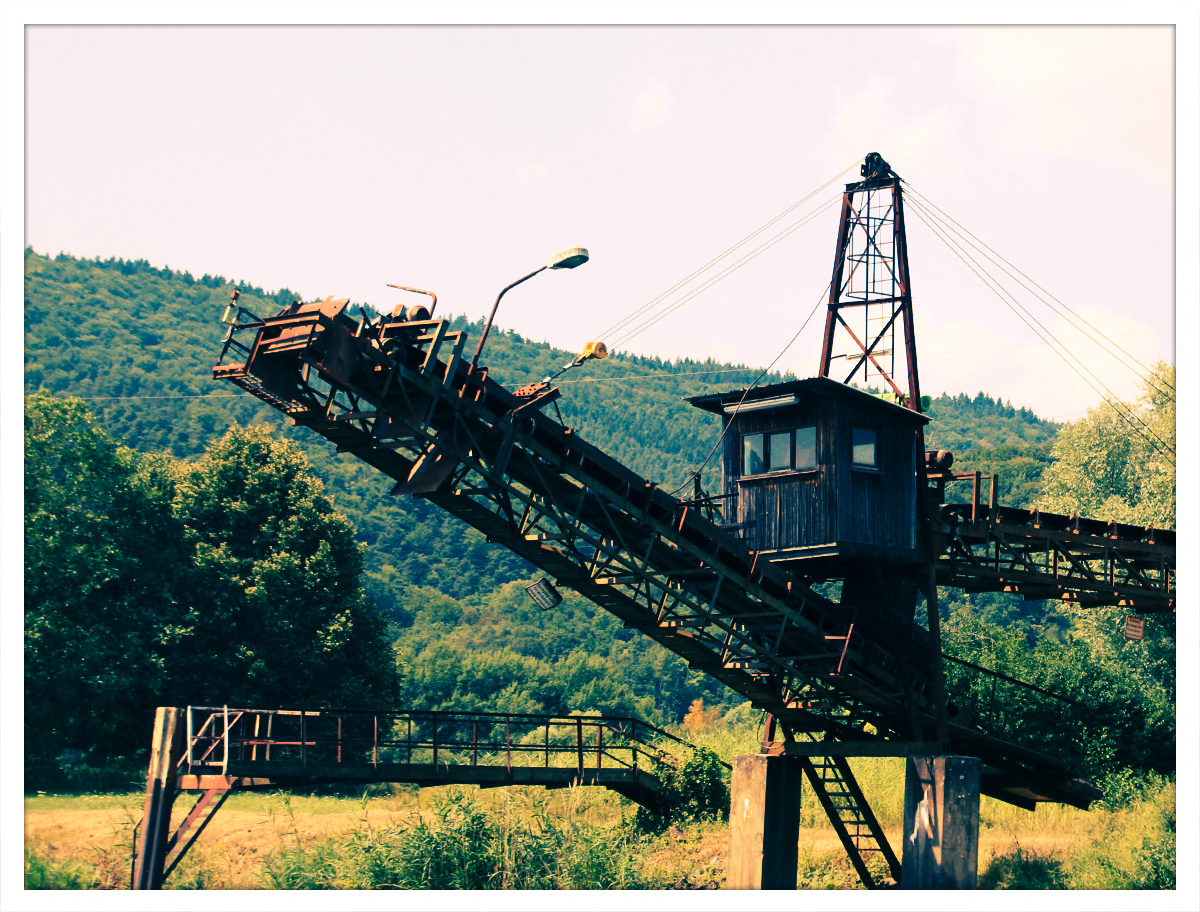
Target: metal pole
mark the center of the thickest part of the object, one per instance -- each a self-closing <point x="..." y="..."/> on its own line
<point x="487" y="326"/>
<point x="579" y="744"/>
<point x="161" y="790"/>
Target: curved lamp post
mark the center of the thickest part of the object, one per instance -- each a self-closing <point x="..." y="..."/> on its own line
<point x="567" y="259"/>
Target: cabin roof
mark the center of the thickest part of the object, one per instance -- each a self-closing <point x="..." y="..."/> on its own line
<point x="813" y="386"/>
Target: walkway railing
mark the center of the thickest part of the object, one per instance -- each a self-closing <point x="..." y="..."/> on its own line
<point x="219" y="736"/>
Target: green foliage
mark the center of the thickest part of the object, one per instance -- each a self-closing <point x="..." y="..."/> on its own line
<point x="1018" y="470"/>
<point x="1112" y="718"/>
<point x="502" y="653"/>
<point x="960" y="423"/>
<point x="102" y="558"/>
<point x="1136" y="850"/>
<point x="277" y="601"/>
<point x="152" y="582"/>
<point x="1106" y="469"/>
<point x="43" y="873"/>
<point x="466" y="846"/>
<point x="695" y="790"/>
<point x="1023" y="869"/>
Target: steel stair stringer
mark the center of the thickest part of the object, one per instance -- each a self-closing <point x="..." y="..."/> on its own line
<point x="853" y="820"/>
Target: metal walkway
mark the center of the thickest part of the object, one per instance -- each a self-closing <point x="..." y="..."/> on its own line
<point x="219" y="750"/>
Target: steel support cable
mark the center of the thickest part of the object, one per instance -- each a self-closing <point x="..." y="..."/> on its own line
<point x="709" y="283"/>
<point x="660" y="375"/>
<point x="682" y="282"/>
<point x="179" y="396"/>
<point x="1142" y="370"/>
<point x="1128" y="415"/>
<point x="1114" y="401"/>
<point x="695" y="473"/>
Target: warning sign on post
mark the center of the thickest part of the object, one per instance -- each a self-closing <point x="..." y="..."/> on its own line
<point x="1134" y="626"/>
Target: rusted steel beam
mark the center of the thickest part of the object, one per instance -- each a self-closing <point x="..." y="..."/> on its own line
<point x="591" y="517"/>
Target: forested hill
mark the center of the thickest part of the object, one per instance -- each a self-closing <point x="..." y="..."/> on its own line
<point x="138" y="343"/>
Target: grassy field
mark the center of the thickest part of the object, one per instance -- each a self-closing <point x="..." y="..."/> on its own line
<point x="463" y="837"/>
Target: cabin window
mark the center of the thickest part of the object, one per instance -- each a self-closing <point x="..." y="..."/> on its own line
<point x="779" y="451"/>
<point x="753" y="457"/>
<point x="864" y="449"/>
<point x="806" y="448"/>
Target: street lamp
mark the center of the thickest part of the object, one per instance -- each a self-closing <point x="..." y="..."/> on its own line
<point x="567" y="259"/>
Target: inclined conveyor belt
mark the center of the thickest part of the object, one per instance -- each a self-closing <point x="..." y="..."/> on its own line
<point x="400" y="397"/>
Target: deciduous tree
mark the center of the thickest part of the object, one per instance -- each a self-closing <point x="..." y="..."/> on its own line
<point x="150" y="581"/>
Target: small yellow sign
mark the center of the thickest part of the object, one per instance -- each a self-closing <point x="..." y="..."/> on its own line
<point x="1134" y="626"/>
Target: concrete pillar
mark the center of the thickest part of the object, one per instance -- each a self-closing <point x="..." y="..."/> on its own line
<point x="165" y="752"/>
<point x="764" y="822"/>
<point x="941" y="823"/>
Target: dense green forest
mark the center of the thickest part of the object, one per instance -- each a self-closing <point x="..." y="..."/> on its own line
<point x="136" y="344"/>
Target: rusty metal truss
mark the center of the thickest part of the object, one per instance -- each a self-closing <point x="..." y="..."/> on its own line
<point x="870" y="294"/>
<point x="1039" y="555"/>
<point x="401" y="397"/>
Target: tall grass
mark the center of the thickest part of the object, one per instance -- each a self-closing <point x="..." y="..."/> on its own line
<point x="584" y="838"/>
<point x="465" y="845"/>
<point x="44" y="873"/>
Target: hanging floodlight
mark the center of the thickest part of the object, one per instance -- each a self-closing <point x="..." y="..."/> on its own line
<point x="544" y="595"/>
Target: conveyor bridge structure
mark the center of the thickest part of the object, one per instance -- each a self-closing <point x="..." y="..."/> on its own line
<point x="399" y="395"/>
<point x="217" y="750"/>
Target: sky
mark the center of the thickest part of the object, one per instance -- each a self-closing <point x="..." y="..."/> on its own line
<point x="335" y="160"/>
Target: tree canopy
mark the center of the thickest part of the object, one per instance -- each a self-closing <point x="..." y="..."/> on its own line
<point x="151" y="581"/>
<point x="1113" y="467"/>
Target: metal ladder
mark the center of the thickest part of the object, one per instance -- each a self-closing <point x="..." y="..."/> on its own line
<point x="852" y="818"/>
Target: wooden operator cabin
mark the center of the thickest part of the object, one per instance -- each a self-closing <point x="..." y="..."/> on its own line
<point x="819" y="473"/>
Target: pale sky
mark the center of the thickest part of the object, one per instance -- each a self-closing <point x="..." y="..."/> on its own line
<point x="334" y="160"/>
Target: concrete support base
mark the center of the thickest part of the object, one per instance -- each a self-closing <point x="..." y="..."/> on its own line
<point x="941" y="823"/>
<point x="764" y="822"/>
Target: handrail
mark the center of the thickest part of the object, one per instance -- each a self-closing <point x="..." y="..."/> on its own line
<point x="326" y="735"/>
